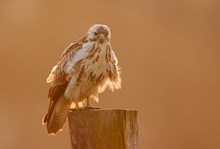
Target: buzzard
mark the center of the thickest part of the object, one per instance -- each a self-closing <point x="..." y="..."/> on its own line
<point x="86" y="67"/>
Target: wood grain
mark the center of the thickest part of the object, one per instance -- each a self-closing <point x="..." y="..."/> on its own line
<point x="103" y="129"/>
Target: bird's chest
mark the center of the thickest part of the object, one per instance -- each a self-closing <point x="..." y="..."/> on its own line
<point x="95" y="73"/>
<point x="96" y="62"/>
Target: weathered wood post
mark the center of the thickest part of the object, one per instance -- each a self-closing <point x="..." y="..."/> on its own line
<point x="103" y="129"/>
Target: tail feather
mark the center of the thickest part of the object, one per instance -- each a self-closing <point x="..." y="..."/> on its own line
<point x="56" y="116"/>
<point x="45" y="119"/>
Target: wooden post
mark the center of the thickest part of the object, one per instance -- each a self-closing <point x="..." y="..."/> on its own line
<point x="103" y="129"/>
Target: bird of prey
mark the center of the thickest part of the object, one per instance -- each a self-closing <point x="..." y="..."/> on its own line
<point x="86" y="67"/>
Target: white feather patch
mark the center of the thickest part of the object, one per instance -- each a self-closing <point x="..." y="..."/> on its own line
<point x="50" y="78"/>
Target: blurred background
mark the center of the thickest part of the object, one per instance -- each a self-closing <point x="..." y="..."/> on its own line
<point x="169" y="52"/>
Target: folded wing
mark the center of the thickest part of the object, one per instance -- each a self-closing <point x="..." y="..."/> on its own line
<point x="59" y="78"/>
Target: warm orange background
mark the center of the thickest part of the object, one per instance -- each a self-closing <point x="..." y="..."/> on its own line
<point x="169" y="52"/>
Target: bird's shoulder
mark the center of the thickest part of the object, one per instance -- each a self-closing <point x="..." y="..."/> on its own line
<point x="72" y="48"/>
<point x="60" y="73"/>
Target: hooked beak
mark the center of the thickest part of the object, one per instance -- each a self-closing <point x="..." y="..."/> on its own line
<point x="101" y="38"/>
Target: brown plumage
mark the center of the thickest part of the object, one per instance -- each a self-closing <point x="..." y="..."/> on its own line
<point x="85" y="69"/>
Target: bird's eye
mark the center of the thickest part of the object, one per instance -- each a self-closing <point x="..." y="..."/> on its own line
<point x="95" y="33"/>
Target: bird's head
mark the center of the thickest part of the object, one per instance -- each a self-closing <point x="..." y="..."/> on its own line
<point x="99" y="33"/>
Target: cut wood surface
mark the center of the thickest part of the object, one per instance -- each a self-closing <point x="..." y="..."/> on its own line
<point x="103" y="129"/>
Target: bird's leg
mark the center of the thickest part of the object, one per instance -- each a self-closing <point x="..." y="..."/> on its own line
<point x="77" y="105"/>
<point x="88" y="105"/>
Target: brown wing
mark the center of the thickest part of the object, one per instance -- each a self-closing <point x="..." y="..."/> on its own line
<point x="54" y="95"/>
<point x="59" y="74"/>
<point x="58" y="109"/>
<point x="59" y="79"/>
